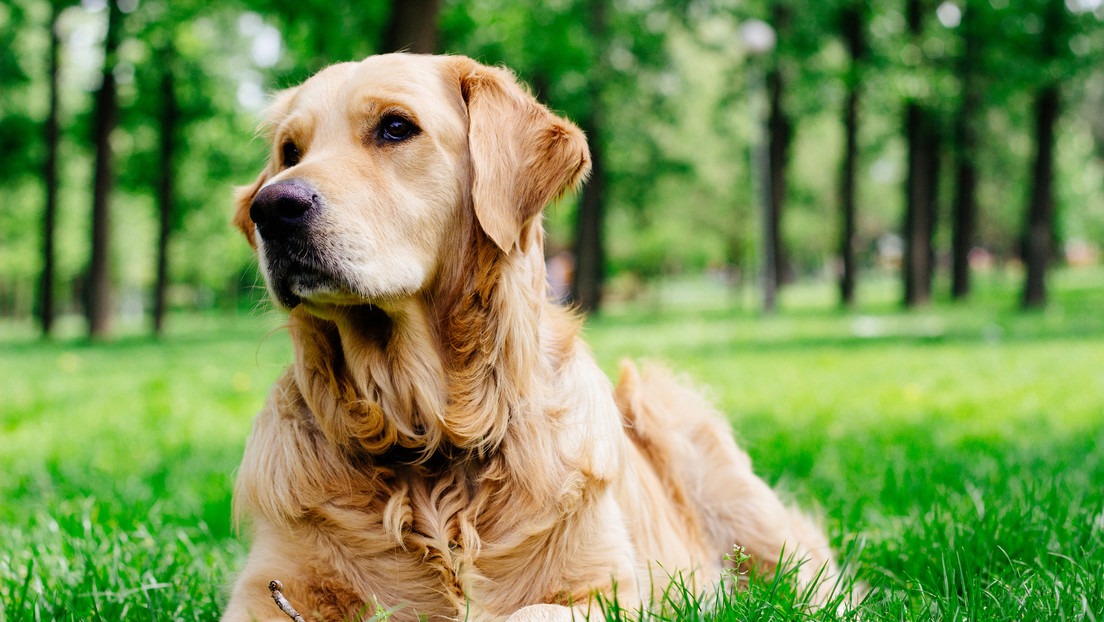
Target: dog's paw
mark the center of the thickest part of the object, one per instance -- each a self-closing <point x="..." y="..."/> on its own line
<point x="545" y="613"/>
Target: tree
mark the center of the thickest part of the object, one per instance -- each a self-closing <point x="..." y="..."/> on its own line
<point x="1039" y="227"/>
<point x="165" y="186"/>
<point x="852" y="18"/>
<point x="590" y="255"/>
<point x="780" y="131"/>
<point x="586" y="288"/>
<point x="178" y="111"/>
<point x="1039" y="222"/>
<point x="412" y="26"/>
<point x="966" y="152"/>
<point x="51" y="136"/>
<point x="607" y="67"/>
<point x="99" y="303"/>
<point x="922" y="133"/>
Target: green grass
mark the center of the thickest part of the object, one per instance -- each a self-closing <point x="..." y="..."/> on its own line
<point x="955" y="454"/>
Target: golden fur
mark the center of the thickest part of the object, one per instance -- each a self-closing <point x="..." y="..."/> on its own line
<point x="444" y="444"/>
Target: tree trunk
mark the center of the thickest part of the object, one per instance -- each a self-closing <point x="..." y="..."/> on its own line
<point x="921" y="201"/>
<point x="921" y="185"/>
<point x="50" y="181"/>
<point x="1039" y="226"/>
<point x="412" y="27"/>
<point x="586" y="287"/>
<point x="764" y="183"/>
<point x="965" y="201"/>
<point x="780" y="130"/>
<point x="106" y="113"/>
<point x="853" y="26"/>
<point x="169" y="118"/>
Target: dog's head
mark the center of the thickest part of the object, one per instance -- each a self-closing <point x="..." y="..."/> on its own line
<point x="379" y="169"/>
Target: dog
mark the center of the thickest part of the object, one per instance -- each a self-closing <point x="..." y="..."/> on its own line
<point x="444" y="445"/>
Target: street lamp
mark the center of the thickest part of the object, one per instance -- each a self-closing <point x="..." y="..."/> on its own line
<point x="759" y="39"/>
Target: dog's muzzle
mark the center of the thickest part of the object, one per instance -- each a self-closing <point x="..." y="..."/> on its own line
<point x="283" y="213"/>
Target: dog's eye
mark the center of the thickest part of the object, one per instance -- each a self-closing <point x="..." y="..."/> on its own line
<point x="395" y="128"/>
<point x="289" y="154"/>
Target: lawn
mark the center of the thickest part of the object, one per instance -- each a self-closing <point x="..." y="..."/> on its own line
<point x="955" y="454"/>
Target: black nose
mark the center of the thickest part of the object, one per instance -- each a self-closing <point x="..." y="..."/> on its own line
<point x="282" y="209"/>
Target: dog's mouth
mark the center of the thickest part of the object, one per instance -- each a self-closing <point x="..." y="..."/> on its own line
<point x="297" y="276"/>
<point x="305" y="285"/>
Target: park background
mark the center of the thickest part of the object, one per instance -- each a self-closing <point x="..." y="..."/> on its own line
<point x="871" y="228"/>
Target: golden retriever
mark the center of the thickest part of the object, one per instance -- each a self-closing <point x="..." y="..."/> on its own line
<point x="444" y="445"/>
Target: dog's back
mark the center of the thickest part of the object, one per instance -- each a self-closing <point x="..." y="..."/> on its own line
<point x="708" y="480"/>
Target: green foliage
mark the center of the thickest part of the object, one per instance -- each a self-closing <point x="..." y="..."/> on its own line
<point x="953" y="454"/>
<point x="666" y="85"/>
<point x="15" y="122"/>
<point x="607" y="66"/>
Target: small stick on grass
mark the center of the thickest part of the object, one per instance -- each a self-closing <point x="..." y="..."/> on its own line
<point x="275" y="586"/>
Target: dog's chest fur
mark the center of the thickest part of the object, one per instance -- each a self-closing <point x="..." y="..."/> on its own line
<point x="405" y="531"/>
<point x="442" y="541"/>
<point x="449" y="538"/>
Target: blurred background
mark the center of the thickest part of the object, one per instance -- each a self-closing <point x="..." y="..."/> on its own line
<point x="906" y="144"/>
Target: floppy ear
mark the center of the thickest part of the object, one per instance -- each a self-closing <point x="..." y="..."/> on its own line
<point x="522" y="155"/>
<point x="243" y="199"/>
